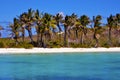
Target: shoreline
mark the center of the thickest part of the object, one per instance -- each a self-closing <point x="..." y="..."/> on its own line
<point x="55" y="50"/>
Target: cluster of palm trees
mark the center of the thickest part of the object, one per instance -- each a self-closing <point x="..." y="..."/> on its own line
<point x="47" y="26"/>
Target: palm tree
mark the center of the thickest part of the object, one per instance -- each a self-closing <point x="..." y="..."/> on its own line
<point x="48" y="22"/>
<point x="72" y="20"/>
<point x="15" y="29"/>
<point x="84" y="20"/>
<point x="111" y="23"/>
<point x="26" y="20"/>
<point x="118" y="26"/>
<point x="58" y="17"/>
<point x="97" y="28"/>
<point x="69" y="23"/>
<point x="39" y="28"/>
<point x="118" y="19"/>
<point x="74" y="25"/>
<point x="76" y="28"/>
<point x="66" y="23"/>
<point x="22" y="19"/>
<point x="1" y="28"/>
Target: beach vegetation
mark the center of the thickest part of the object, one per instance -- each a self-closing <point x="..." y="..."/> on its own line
<point x="55" y="31"/>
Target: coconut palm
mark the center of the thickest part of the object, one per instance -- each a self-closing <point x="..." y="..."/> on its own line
<point x="69" y="23"/>
<point x="74" y="25"/>
<point x="118" y="19"/>
<point x="58" y="17"/>
<point x="15" y="29"/>
<point x="97" y="28"/>
<point x="111" y="23"/>
<point x="77" y="28"/>
<point x="39" y="28"/>
<point x="1" y="28"/>
<point x="22" y="23"/>
<point x="84" y="20"/>
<point x="26" y="20"/>
<point x="66" y="22"/>
<point x="118" y="27"/>
<point x="72" y="20"/>
<point x="48" y="22"/>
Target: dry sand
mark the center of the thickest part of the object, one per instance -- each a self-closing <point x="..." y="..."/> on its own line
<point x="55" y="50"/>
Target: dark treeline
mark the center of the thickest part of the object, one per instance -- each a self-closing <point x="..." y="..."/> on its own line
<point x="64" y="31"/>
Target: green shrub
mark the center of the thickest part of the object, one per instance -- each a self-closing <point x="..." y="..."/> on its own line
<point x="5" y="43"/>
<point x="21" y="45"/>
<point x="2" y="45"/>
<point x="24" y="45"/>
<point x="106" y="45"/>
<point x="28" y="46"/>
<point x="54" y="44"/>
<point x="74" y="45"/>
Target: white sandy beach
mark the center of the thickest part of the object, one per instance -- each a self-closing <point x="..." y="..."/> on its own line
<point x="55" y="50"/>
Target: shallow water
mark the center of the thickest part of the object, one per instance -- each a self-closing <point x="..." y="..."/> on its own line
<point x="85" y="66"/>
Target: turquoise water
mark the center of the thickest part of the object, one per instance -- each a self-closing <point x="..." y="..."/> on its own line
<point x="86" y="66"/>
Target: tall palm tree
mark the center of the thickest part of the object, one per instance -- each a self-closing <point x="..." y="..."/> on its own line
<point x="84" y="22"/>
<point x="15" y="29"/>
<point x="76" y="28"/>
<point x="118" y="19"/>
<point x="58" y="17"/>
<point x="39" y="28"/>
<point x="48" y="22"/>
<point x="72" y="20"/>
<point x="67" y="22"/>
<point x="30" y="23"/>
<point x="118" y="27"/>
<point x="111" y="23"/>
<point x="26" y="20"/>
<point x="97" y="27"/>
<point x="23" y="22"/>
<point x="1" y="28"/>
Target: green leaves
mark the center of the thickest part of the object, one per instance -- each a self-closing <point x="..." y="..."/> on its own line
<point x="97" y="20"/>
<point x="84" y="20"/>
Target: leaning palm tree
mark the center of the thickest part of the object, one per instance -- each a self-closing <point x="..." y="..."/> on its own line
<point x="77" y="28"/>
<point x="118" y="20"/>
<point x="111" y="23"/>
<point x="26" y="20"/>
<point x="48" y="23"/>
<point x="39" y="28"/>
<point x="84" y="20"/>
<point x="66" y="22"/>
<point x="22" y="19"/>
<point x="97" y="28"/>
<point x="15" y="29"/>
<point x="1" y="28"/>
<point x="72" y="20"/>
<point x="58" y="17"/>
<point x="118" y="27"/>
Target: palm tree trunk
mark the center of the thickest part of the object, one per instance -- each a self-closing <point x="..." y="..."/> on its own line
<point x="16" y="40"/>
<point x="96" y="39"/>
<point x="23" y="34"/>
<point x="0" y="35"/>
<point x="41" y="40"/>
<point x="38" y="39"/>
<point x="60" y="30"/>
<point x="30" y="35"/>
<point x="109" y="42"/>
<point x="81" y="38"/>
<point x="97" y="42"/>
<point x="65" y="37"/>
<point x="76" y="33"/>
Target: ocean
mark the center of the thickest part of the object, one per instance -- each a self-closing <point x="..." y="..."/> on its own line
<point x="61" y="66"/>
